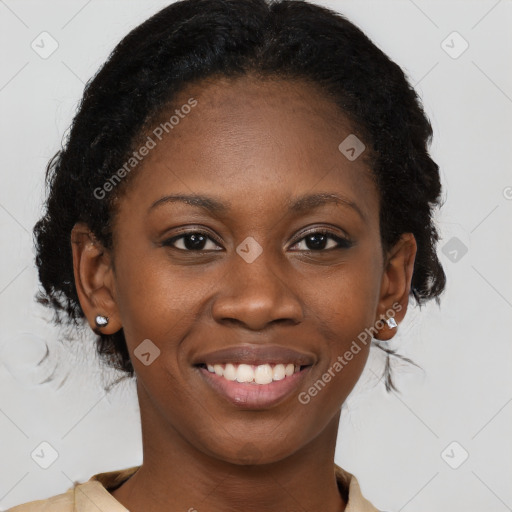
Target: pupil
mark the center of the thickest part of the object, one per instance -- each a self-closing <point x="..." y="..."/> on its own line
<point x="197" y="241"/>
<point x="316" y="245"/>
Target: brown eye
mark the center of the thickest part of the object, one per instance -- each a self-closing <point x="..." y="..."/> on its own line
<point x="319" y="240"/>
<point x="190" y="241"/>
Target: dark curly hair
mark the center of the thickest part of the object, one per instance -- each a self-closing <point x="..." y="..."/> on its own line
<point x="193" y="39"/>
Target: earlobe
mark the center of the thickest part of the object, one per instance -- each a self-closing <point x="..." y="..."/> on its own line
<point x="396" y="286"/>
<point x="94" y="280"/>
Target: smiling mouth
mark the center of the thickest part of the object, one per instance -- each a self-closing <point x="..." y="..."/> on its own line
<point x="253" y="374"/>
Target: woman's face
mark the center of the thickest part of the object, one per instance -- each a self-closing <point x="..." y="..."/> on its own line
<point x="245" y="272"/>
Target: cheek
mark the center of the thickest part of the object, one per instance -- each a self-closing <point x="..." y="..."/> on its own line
<point x="345" y="314"/>
<point x="153" y="301"/>
<point x="348" y="297"/>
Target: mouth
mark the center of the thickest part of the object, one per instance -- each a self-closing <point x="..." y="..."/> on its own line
<point x="249" y="386"/>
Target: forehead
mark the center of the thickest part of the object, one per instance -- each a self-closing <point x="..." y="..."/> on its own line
<point x="252" y="141"/>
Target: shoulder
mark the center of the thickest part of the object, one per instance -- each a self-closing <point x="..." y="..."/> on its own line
<point x="350" y="488"/>
<point x="60" y="503"/>
<point x="89" y="496"/>
<point x="82" y="497"/>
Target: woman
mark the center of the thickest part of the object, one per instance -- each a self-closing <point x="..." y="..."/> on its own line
<point x="243" y="205"/>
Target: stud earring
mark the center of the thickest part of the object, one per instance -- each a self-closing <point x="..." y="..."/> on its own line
<point x="391" y="323"/>
<point x="101" y="321"/>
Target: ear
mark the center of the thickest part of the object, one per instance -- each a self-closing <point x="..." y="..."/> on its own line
<point x="94" y="279"/>
<point x="396" y="285"/>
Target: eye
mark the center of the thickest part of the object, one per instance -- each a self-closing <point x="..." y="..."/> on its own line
<point x="190" y="241"/>
<point x="318" y="239"/>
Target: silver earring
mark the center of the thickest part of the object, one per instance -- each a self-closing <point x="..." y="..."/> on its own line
<point x="101" y="321"/>
<point x="391" y="323"/>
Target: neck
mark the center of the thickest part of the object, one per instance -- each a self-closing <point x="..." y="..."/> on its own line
<point x="176" y="473"/>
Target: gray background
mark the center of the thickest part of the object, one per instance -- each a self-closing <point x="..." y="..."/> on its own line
<point x="409" y="450"/>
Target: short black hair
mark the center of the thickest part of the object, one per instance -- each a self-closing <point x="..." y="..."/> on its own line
<point x="193" y="39"/>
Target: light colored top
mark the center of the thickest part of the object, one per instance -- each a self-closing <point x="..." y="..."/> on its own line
<point x="94" y="495"/>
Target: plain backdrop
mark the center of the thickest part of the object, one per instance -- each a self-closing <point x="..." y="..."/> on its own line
<point x="444" y="442"/>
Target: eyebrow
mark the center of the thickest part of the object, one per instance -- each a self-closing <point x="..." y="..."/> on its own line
<point x="309" y="202"/>
<point x="206" y="203"/>
<point x="300" y="205"/>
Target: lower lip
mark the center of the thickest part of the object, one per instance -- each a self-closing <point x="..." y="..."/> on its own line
<point x="254" y="396"/>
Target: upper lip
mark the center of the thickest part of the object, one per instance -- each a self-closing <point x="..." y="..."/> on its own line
<point x="256" y="355"/>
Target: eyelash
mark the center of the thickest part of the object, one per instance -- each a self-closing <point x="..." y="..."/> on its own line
<point x="343" y="243"/>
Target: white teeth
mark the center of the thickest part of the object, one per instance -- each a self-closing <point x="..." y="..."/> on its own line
<point x="261" y="374"/>
<point x="244" y="373"/>
<point x="279" y="373"/>
<point x="229" y="372"/>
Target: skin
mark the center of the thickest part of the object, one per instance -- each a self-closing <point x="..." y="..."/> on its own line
<point x="255" y="145"/>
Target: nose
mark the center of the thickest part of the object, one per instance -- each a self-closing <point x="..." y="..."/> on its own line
<point x="256" y="294"/>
